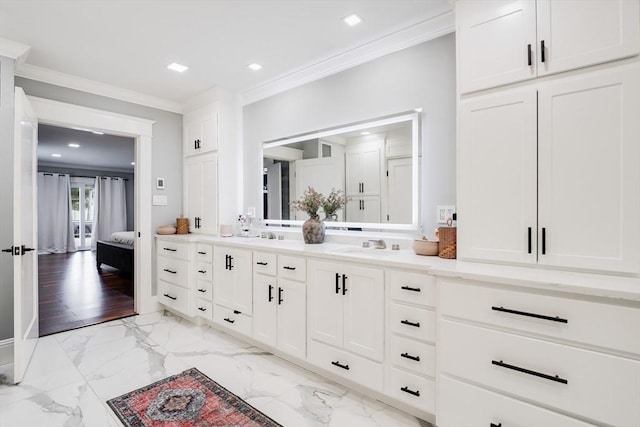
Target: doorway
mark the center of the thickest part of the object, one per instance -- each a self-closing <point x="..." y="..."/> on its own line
<point x="82" y="209"/>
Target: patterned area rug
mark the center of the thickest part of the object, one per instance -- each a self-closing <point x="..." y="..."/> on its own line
<point x="188" y="399"/>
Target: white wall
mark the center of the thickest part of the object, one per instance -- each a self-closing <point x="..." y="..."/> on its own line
<point x="419" y="76"/>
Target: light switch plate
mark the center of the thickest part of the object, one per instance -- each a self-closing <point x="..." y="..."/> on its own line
<point x="443" y="213"/>
<point x="159" y="200"/>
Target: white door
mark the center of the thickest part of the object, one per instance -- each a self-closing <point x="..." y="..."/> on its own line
<point x="265" y="299"/>
<point x="292" y="314"/>
<point x="589" y="179"/>
<point x="399" y="191"/>
<point x="25" y="261"/>
<point x="325" y="303"/>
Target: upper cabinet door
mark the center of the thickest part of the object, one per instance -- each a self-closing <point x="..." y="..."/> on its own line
<point x="589" y="179"/>
<point x="493" y="42"/>
<point x="578" y="33"/>
<point x="201" y="130"/>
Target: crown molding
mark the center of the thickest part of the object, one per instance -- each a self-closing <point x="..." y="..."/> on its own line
<point x="415" y="34"/>
<point x="14" y="50"/>
<point x="57" y="78"/>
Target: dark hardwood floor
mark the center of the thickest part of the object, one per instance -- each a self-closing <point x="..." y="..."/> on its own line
<point x="73" y="293"/>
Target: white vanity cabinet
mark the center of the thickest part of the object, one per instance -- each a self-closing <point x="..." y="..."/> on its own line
<point x="202" y="269"/>
<point x="232" y="287"/>
<point x="544" y="37"/>
<point x="172" y="272"/>
<point x="553" y="182"/>
<point x="410" y="366"/>
<point x="279" y="303"/>
<point x="577" y="356"/>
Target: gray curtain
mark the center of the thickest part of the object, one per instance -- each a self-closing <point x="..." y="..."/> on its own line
<point x="110" y="208"/>
<point x="55" y="223"/>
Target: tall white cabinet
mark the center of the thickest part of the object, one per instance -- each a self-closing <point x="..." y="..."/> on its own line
<point x="201" y="192"/>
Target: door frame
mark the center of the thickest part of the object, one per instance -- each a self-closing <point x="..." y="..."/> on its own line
<point x="141" y="130"/>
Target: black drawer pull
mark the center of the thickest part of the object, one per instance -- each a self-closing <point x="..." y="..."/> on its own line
<point x="280" y="300"/>
<point x="286" y="267"/>
<point x="530" y="372"/>
<point x="170" y="297"/>
<point x="202" y="271"/>
<point x="337" y="283"/>
<point x="344" y="284"/>
<point x="408" y="390"/>
<point x="542" y="57"/>
<point x="529" y="54"/>
<point x="236" y="312"/>
<point x="170" y="271"/>
<point x="261" y="263"/>
<point x="340" y="365"/>
<point x="270" y="297"/>
<point x="524" y="313"/>
<point x="409" y="288"/>
<point x="408" y="356"/>
<point x="202" y="290"/>
<point x="408" y="323"/>
<point x="495" y="425"/>
<point x="202" y="253"/>
<point x="226" y="319"/>
<point x="202" y="309"/>
<point x="170" y="250"/>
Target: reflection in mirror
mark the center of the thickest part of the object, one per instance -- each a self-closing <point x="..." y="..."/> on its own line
<point x="375" y="164"/>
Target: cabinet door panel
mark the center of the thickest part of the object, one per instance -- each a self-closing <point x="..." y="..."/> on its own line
<point x="492" y="42"/>
<point x="209" y="195"/>
<point x="364" y="311"/>
<point x="223" y="279"/>
<point x="589" y="201"/>
<point x="578" y="33"/>
<point x="209" y="133"/>
<point x="242" y="280"/>
<point x="192" y="191"/>
<point x="325" y="305"/>
<point x="292" y="315"/>
<point x="264" y="309"/>
<point x="497" y="177"/>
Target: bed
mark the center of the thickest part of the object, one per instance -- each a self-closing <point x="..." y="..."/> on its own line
<point x="116" y="252"/>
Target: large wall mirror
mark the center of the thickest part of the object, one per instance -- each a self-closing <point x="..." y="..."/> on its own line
<point x="375" y="163"/>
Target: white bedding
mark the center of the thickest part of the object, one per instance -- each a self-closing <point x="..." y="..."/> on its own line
<point x="124" y="237"/>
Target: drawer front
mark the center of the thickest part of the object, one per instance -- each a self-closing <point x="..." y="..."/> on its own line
<point x="173" y="296"/>
<point x="415" y="355"/>
<point x="598" y="386"/>
<point x="173" y="249"/>
<point x="414" y="322"/>
<point x="586" y="322"/>
<point x="360" y="370"/>
<point x="484" y="408"/>
<point x="292" y="267"/>
<point x="415" y="288"/>
<point x="204" y="309"/>
<point x="412" y="389"/>
<point x="204" y="253"/>
<point x="173" y="271"/>
<point x="228" y="318"/>
<point x="204" y="290"/>
<point x="204" y="271"/>
<point x="265" y="263"/>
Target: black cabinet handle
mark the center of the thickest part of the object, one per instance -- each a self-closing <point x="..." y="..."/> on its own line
<point x="544" y="240"/>
<point x="230" y="262"/>
<point x="202" y="253"/>
<point x="529" y="239"/>
<point x="170" y="297"/>
<point x="408" y="390"/>
<point x="286" y="267"/>
<point x="261" y="263"/>
<point x="202" y="290"/>
<point x="337" y="283"/>
<point x="202" y="271"/>
<point x="170" y="250"/>
<point x="340" y="365"/>
<point x="409" y="288"/>
<point x="170" y="271"/>
<point x="226" y="319"/>
<point x="542" y="58"/>
<point x="529" y="54"/>
<point x="524" y="313"/>
<point x="495" y="425"/>
<point x="408" y="323"/>
<point x="270" y="298"/>
<point x="226" y="262"/>
<point x="529" y="372"/>
<point x="344" y="284"/>
<point x="280" y="295"/>
<point x="196" y="144"/>
<point x="202" y="309"/>
<point x="408" y="356"/>
<point x="236" y="312"/>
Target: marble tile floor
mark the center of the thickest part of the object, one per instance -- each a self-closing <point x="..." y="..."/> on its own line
<point x="74" y="373"/>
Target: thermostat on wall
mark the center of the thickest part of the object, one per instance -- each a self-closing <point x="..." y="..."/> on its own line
<point x="160" y="183"/>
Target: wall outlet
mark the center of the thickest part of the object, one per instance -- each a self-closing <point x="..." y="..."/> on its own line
<point x="443" y="213"/>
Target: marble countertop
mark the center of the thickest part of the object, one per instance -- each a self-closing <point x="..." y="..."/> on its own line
<point x="596" y="285"/>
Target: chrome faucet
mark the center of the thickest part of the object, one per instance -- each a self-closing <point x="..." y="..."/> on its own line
<point x="378" y="244"/>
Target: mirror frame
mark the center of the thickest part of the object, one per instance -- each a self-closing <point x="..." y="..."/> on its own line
<point x="414" y="117"/>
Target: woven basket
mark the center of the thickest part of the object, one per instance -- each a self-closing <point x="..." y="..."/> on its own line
<point x="182" y="226"/>
<point x="447" y="246"/>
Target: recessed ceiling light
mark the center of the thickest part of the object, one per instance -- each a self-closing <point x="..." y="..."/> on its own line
<point x="177" y="67"/>
<point x="97" y="133"/>
<point x="72" y="145"/>
<point x="352" y="20"/>
<point x="255" y="67"/>
<point x="56" y="155"/>
<point x="365" y="133"/>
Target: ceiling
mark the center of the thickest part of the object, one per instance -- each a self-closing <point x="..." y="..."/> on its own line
<point x="103" y="152"/>
<point x="128" y="44"/>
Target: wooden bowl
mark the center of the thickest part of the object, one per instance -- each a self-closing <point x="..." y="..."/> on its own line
<point x="166" y="229"/>
<point x="425" y="247"/>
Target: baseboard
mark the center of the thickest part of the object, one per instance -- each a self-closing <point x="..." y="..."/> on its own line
<point x="6" y="351"/>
